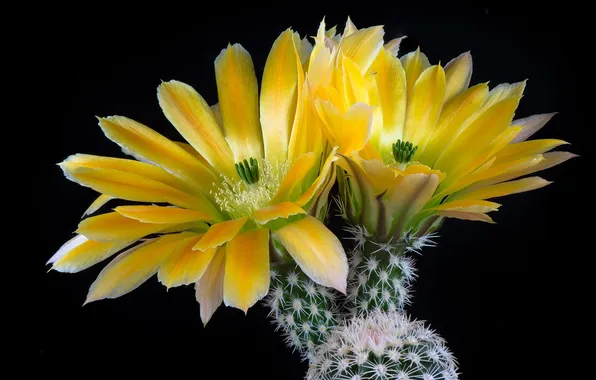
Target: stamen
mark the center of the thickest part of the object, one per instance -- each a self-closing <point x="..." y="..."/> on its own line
<point x="403" y="151"/>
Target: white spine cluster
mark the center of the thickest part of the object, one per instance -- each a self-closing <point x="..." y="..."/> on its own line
<point x="305" y="311"/>
<point x="382" y="346"/>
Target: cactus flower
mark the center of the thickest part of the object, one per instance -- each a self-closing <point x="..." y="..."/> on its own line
<point x="253" y="168"/>
<point x="416" y="142"/>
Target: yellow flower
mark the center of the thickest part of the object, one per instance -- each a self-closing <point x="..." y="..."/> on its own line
<point x="416" y="142"/>
<point x="253" y="170"/>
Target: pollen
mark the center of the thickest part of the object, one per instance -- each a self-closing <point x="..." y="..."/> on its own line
<point x="240" y="197"/>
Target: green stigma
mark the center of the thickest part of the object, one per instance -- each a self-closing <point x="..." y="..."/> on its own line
<point x="403" y="152"/>
<point x="248" y="170"/>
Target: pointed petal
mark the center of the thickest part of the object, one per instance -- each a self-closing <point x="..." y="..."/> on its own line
<point x="350" y="28"/>
<point x="504" y="91"/>
<point x="142" y="169"/>
<point x="280" y="210"/>
<point x="115" y="227"/>
<point x="495" y="170"/>
<point x="452" y="120"/>
<point x="317" y="251"/>
<point x="506" y="188"/>
<point x="306" y="135"/>
<point x="550" y="159"/>
<point x="312" y="191"/>
<point x="414" y="63"/>
<point x="362" y="46"/>
<point x="424" y="105"/>
<point x="160" y="215"/>
<point x="209" y="289"/>
<point x="531" y="125"/>
<point x="391" y="83"/>
<point x="147" y="145"/>
<point x="220" y="233"/>
<point x="407" y="197"/>
<point x="477" y="136"/>
<point x="472" y="216"/>
<point x="132" y="268"/>
<point x="519" y="150"/>
<point x="468" y="205"/>
<point x="237" y="91"/>
<point x="192" y="117"/>
<point x="80" y="253"/>
<point x="458" y="73"/>
<point x="292" y="182"/>
<point x="392" y="46"/>
<point x="97" y="203"/>
<point x="349" y="131"/>
<point x="247" y="269"/>
<point x="278" y="96"/>
<point x="132" y="187"/>
<point x="185" y="265"/>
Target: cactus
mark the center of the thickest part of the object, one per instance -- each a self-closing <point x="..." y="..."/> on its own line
<point x="383" y="345"/>
<point x="304" y="311"/>
<point x="381" y="274"/>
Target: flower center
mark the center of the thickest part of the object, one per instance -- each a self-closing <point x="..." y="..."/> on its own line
<point x="252" y="189"/>
<point x="399" y="154"/>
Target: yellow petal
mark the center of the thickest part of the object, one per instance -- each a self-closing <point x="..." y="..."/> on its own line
<point x="132" y="268"/>
<point x="424" y="105"/>
<point x="132" y="187"/>
<point x="307" y="130"/>
<point x="292" y="182"/>
<point x="458" y="73"/>
<point x="220" y="233"/>
<point x="407" y="197"/>
<point x="350" y="28"/>
<point x="160" y="215"/>
<point x="468" y="205"/>
<point x="317" y="251"/>
<point x="142" y="169"/>
<point x="349" y="131"/>
<point x="414" y="63"/>
<point x="391" y="83"/>
<point x="278" y="96"/>
<point x="192" y="117"/>
<point x="550" y="159"/>
<point x="97" y="203"/>
<point x="475" y="138"/>
<point x="247" y="269"/>
<point x="209" y="289"/>
<point x="319" y="67"/>
<point x="362" y="46"/>
<point x="355" y="90"/>
<point x="184" y="265"/>
<point x="216" y="111"/>
<point x="531" y="125"/>
<point x="381" y="176"/>
<point x="496" y="169"/>
<point x="147" y="145"/>
<point x="237" y="90"/>
<point x="280" y="210"/>
<point x="464" y="215"/>
<point x="80" y="253"/>
<point x="312" y="191"/>
<point x="504" y="91"/>
<point x="392" y="46"/>
<point x="452" y="121"/>
<point x="115" y="227"/>
<point x="527" y="148"/>
<point x="506" y="188"/>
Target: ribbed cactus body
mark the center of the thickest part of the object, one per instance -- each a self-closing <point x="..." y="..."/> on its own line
<point x="380" y="278"/>
<point x="381" y="273"/>
<point x="382" y="346"/>
<point x="305" y="311"/>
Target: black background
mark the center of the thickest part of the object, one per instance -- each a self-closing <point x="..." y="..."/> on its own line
<point x="500" y="294"/>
